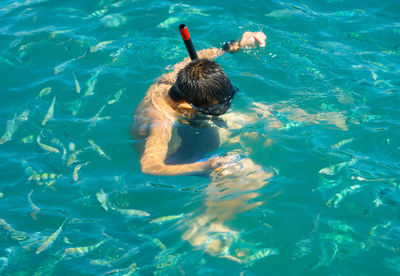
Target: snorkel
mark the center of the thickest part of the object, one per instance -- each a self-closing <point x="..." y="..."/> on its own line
<point x="188" y="42"/>
<point x="175" y="93"/>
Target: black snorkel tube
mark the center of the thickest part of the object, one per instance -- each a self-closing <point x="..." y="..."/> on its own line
<point x="188" y="42"/>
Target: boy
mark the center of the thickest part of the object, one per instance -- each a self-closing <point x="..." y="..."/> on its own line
<point x="192" y="88"/>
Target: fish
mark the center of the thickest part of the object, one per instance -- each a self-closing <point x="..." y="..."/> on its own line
<point x="100" y="262"/>
<point x="72" y="157"/>
<point x="97" y="13"/>
<point x="77" y="168"/>
<point x="28" y="169"/>
<point x="10" y="129"/>
<point x="61" y="67"/>
<point x="54" y="33"/>
<point x="14" y="234"/>
<point x="100" y="46"/>
<point x="1" y="195"/>
<point x="130" y="270"/>
<point x="44" y="92"/>
<point x="161" y="220"/>
<point x="74" y="106"/>
<point x="334" y="169"/>
<point x="60" y="145"/>
<point x="262" y="253"/>
<point x="186" y="9"/>
<point x="98" y="149"/>
<point x="355" y="36"/>
<point x="7" y="61"/>
<point x="342" y="143"/>
<point x="28" y="139"/>
<point x="96" y="117"/>
<point x="103" y="199"/>
<point x="77" y="86"/>
<point x="169" y="21"/>
<point x="71" y="146"/>
<point x="3" y="263"/>
<point x="116" y="55"/>
<point x="131" y="212"/>
<point x="116" y="97"/>
<point x="153" y="240"/>
<point x="13" y="124"/>
<point x="33" y="206"/>
<point x="374" y="76"/>
<point x="50" y="240"/>
<point x="49" y="113"/>
<point x="336" y="199"/>
<point x="75" y="252"/>
<point x="281" y="13"/>
<point x="91" y="83"/>
<point x="47" y="178"/>
<point x="112" y="20"/>
<point x="327" y="257"/>
<point x="315" y="72"/>
<point x="46" y="147"/>
<point x="349" y="13"/>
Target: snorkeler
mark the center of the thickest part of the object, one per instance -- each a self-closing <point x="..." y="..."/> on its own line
<point x="198" y="87"/>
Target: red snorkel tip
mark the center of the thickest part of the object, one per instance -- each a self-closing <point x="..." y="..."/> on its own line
<point x="188" y="42"/>
<point x="184" y="32"/>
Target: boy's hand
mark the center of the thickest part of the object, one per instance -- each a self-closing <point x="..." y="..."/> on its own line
<point x="250" y="39"/>
<point x="220" y="161"/>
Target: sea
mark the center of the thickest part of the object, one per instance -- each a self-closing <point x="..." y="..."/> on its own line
<point x="314" y="188"/>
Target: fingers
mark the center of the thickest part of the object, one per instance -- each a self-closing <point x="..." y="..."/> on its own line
<point x="260" y="38"/>
<point x="250" y="39"/>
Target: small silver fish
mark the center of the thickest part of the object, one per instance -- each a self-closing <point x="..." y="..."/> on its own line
<point x="60" y="145"/>
<point x="342" y="143"/>
<point x="46" y="147"/>
<point x="116" y="96"/>
<point x="336" y="199"/>
<point x="72" y="157"/>
<point x="75" y="252"/>
<point x="48" y="178"/>
<point x="14" y="234"/>
<point x="100" y="46"/>
<point x="12" y="125"/>
<point x="44" y="92"/>
<point x="334" y="169"/>
<point x="77" y="168"/>
<point x="169" y="21"/>
<point x="50" y="240"/>
<point x="28" y="169"/>
<point x="131" y="212"/>
<point x="77" y="86"/>
<point x="261" y="254"/>
<point x="50" y="112"/>
<point x="153" y="240"/>
<point x="103" y="199"/>
<point x="98" y="149"/>
<point x="28" y="139"/>
<point x="116" y="55"/>
<point x="97" y="13"/>
<point x="33" y="206"/>
<point x="61" y="67"/>
<point x="166" y="218"/>
<point x="91" y="83"/>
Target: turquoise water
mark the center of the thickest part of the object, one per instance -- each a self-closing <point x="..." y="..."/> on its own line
<point x="329" y="73"/>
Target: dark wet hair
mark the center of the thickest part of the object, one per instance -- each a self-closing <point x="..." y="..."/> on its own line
<point x="203" y="84"/>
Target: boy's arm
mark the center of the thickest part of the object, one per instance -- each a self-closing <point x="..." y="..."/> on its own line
<point x="156" y="149"/>
<point x="248" y="40"/>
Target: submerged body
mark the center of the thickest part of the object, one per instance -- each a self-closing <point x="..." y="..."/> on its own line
<point x="158" y="113"/>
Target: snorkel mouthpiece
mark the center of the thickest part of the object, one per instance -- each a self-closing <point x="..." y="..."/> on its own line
<point x="188" y="42"/>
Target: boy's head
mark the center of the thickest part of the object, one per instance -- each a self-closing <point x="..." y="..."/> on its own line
<point x="204" y="85"/>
